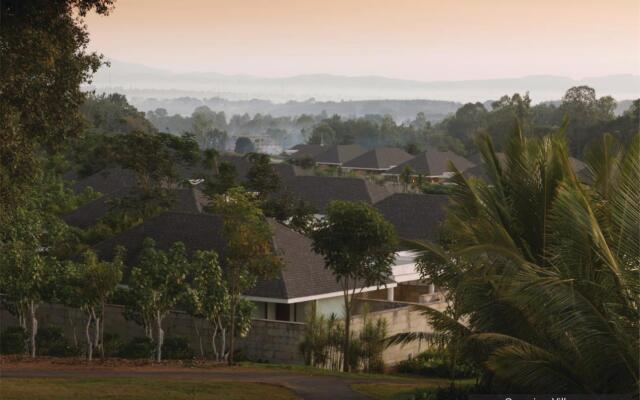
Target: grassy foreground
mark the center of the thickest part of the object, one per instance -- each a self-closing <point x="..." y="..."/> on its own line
<point x="401" y="391"/>
<point x="136" y="388"/>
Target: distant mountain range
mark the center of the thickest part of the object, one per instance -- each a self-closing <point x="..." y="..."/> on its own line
<point x="149" y="88"/>
<point x="142" y="81"/>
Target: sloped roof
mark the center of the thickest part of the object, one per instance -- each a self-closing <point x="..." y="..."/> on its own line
<point x="242" y="166"/>
<point x="107" y="181"/>
<point x="320" y="191"/>
<point x="185" y="200"/>
<point x="304" y="273"/>
<point x="433" y="162"/>
<point x="579" y="168"/>
<point x="339" y="154"/>
<point x="381" y="158"/>
<point x="307" y="150"/>
<point x="415" y="216"/>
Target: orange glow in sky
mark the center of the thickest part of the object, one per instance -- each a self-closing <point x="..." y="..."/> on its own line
<point x="412" y="39"/>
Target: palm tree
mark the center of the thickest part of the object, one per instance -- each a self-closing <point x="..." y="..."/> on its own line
<point x="546" y="268"/>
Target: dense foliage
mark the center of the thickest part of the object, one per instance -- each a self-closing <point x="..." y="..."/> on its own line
<point x="543" y="269"/>
<point x="43" y="61"/>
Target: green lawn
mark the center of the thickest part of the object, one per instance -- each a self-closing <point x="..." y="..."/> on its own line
<point x="402" y="391"/>
<point x="305" y="369"/>
<point x="136" y="388"/>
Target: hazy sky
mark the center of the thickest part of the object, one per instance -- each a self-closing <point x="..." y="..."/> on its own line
<point x="412" y="39"/>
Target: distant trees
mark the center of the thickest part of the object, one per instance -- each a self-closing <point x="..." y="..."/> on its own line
<point x="244" y="145"/>
<point x="358" y="246"/>
<point x="111" y="114"/>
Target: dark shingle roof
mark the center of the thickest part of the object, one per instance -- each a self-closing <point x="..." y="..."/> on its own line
<point x="185" y="200"/>
<point x="579" y="168"/>
<point x="320" y="191"/>
<point x="381" y="158"/>
<point x="415" y="216"/>
<point x="307" y="150"/>
<point x="242" y="166"/>
<point x="107" y="181"/>
<point x="339" y="154"/>
<point x="433" y="163"/>
<point x="303" y="274"/>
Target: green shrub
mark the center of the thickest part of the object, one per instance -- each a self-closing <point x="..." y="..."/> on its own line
<point x="50" y="341"/>
<point x="13" y="340"/>
<point x="436" y="188"/>
<point x="112" y="344"/>
<point x="138" y="347"/>
<point x="176" y="348"/>
<point x="445" y="393"/>
<point x="435" y="364"/>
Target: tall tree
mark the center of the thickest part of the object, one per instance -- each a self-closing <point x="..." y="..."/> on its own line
<point x="93" y="282"/>
<point x="249" y="253"/>
<point x="43" y="62"/>
<point x="261" y="177"/>
<point x="157" y="284"/>
<point x="358" y="246"/>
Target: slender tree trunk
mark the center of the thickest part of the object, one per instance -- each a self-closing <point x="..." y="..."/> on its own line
<point x="223" y="345"/>
<point x="213" y="342"/>
<point x="233" y="330"/>
<point x="72" y="324"/>
<point x="102" y="315"/>
<point x="96" y="331"/>
<point x="347" y="330"/>
<point x="195" y="327"/>
<point x="34" y="327"/>
<point x="87" y="331"/>
<point x="160" y="336"/>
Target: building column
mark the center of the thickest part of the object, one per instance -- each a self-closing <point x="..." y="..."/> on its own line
<point x="390" y="293"/>
<point x="431" y="288"/>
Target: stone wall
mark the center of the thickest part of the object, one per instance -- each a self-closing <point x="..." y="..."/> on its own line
<point x="273" y="341"/>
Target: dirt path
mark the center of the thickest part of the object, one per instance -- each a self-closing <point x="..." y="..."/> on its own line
<point x="307" y="386"/>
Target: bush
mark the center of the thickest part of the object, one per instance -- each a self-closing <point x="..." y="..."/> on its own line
<point x="112" y="344"/>
<point x="435" y="364"/>
<point x="139" y="347"/>
<point x="50" y="341"/>
<point x="12" y="340"/>
<point x="176" y="348"/>
<point x="436" y="188"/>
<point x="445" y="393"/>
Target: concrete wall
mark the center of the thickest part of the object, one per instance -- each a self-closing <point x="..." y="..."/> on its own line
<point x="268" y="340"/>
<point x="273" y="341"/>
<point x="400" y="318"/>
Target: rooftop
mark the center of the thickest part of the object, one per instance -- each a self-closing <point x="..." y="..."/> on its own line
<point x="381" y="158"/>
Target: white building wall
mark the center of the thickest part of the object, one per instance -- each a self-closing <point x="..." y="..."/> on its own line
<point x="332" y="305"/>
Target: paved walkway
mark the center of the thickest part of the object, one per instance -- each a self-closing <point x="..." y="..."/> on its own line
<point x="307" y="386"/>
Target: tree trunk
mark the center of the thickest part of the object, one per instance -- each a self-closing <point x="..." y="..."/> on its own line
<point x="347" y="338"/>
<point x="102" y="331"/>
<point x="195" y="327"/>
<point x="160" y="336"/>
<point x="96" y="331"/>
<point x="34" y="327"/>
<point x="88" y="335"/>
<point x="213" y="342"/>
<point x="233" y="330"/>
<point x="223" y="345"/>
